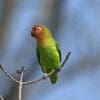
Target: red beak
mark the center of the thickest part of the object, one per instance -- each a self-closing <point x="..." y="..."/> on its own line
<point x="33" y="34"/>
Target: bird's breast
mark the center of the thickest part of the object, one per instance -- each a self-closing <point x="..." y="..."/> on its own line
<point x="49" y="56"/>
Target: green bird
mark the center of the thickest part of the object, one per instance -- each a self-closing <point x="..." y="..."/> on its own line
<point x="48" y="51"/>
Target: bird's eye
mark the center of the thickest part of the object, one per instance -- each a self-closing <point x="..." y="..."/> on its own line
<point x="38" y="29"/>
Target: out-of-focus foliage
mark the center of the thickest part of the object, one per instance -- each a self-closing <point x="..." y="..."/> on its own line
<point x="76" y="26"/>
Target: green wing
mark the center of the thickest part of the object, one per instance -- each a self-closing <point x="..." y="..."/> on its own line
<point x="59" y="50"/>
<point x="38" y="56"/>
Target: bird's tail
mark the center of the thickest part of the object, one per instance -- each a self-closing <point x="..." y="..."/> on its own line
<point x="54" y="78"/>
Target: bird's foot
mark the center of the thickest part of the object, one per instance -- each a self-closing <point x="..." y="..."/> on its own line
<point x="57" y="69"/>
<point x="45" y="76"/>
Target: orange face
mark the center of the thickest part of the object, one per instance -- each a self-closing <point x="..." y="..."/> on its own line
<point x="37" y="31"/>
<point x="41" y="33"/>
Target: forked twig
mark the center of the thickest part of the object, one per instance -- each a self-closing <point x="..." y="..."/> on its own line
<point x="21" y="72"/>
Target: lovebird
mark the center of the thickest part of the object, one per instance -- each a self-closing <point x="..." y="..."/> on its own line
<point x="48" y="50"/>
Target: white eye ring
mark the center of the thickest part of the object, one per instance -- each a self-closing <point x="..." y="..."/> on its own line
<point x="38" y="29"/>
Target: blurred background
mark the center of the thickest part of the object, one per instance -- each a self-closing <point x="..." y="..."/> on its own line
<point x="75" y="24"/>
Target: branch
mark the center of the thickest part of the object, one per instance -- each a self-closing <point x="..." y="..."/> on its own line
<point x="50" y="73"/>
<point x="66" y="59"/>
<point x="1" y="98"/>
<point x="21" y="72"/>
<point x="20" y="82"/>
<point x="8" y="75"/>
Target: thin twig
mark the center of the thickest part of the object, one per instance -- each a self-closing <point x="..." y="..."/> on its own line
<point x="49" y="74"/>
<point x="21" y="84"/>
<point x="66" y="59"/>
<point x="1" y="97"/>
<point x="8" y="75"/>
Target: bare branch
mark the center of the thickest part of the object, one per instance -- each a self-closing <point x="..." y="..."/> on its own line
<point x="1" y="97"/>
<point x="21" y="72"/>
<point x="39" y="79"/>
<point x="8" y="75"/>
<point x="49" y="74"/>
<point x="21" y="83"/>
<point x="66" y="59"/>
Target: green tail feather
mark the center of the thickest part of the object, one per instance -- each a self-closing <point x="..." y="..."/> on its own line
<point x="54" y="78"/>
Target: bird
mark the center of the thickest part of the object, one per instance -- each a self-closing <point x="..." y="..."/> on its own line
<point x="47" y="49"/>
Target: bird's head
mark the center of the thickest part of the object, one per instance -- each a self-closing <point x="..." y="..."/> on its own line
<point x="37" y="30"/>
<point x="40" y="33"/>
